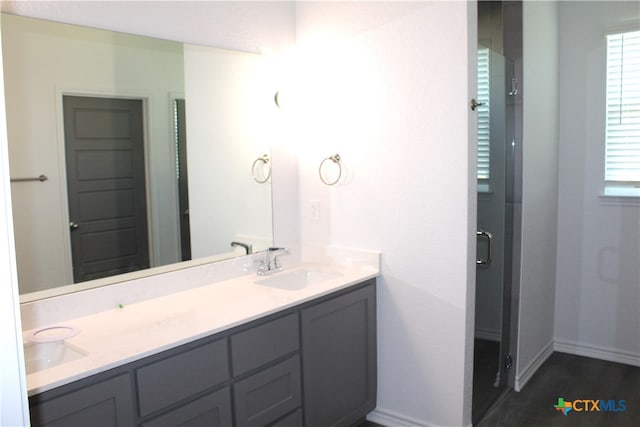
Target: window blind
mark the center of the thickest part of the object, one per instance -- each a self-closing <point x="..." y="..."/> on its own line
<point x="483" y="114"/>
<point x="622" y="152"/>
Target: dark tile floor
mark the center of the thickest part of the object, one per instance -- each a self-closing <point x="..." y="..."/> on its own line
<point x="571" y="378"/>
<point x="485" y="367"/>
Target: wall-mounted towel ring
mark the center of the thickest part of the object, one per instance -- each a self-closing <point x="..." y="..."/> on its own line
<point x="335" y="159"/>
<point x="266" y="164"/>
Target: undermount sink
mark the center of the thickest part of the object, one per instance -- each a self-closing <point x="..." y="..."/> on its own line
<point x="47" y="347"/>
<point x="298" y="279"/>
<point x="39" y="356"/>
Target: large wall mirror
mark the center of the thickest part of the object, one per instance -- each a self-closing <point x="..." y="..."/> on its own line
<point x="130" y="155"/>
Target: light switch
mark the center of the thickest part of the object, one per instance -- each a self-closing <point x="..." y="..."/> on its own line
<point x="314" y="208"/>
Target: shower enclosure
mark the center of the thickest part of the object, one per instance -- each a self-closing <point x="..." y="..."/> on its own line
<point x="497" y="88"/>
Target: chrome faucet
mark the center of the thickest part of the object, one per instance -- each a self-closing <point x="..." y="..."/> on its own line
<point x="270" y="263"/>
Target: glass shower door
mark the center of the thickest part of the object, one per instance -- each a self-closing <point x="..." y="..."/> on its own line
<point x="495" y="142"/>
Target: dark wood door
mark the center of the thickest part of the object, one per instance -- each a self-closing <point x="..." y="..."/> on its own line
<point x="183" y="185"/>
<point x="106" y="186"/>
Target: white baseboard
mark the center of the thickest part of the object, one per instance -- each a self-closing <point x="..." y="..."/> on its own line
<point x="523" y="377"/>
<point x="597" y="352"/>
<point x="488" y="334"/>
<point x="393" y="419"/>
<point x="593" y="351"/>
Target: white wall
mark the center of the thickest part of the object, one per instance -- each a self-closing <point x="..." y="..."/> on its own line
<point x="598" y="276"/>
<point x="539" y="187"/>
<point x="390" y="89"/>
<point x="44" y="61"/>
<point x="230" y="123"/>
<point x="250" y="26"/>
<point x="13" y="386"/>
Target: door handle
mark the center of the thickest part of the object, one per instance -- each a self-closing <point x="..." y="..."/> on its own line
<point x="489" y="237"/>
<point x="73" y="226"/>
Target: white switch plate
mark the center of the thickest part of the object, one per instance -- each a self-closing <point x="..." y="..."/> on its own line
<point x="314" y="210"/>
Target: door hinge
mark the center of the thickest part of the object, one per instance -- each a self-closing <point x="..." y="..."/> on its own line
<point x="514" y="87"/>
<point x="475" y="104"/>
<point x="508" y="362"/>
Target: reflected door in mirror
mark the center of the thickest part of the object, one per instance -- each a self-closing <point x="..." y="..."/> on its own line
<point x="182" y="175"/>
<point x="104" y="147"/>
<point x="230" y="122"/>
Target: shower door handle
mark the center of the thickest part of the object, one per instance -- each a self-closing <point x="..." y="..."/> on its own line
<point x="489" y="237"/>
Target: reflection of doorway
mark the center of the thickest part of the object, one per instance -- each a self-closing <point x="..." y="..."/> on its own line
<point x="104" y="148"/>
<point x="183" y="187"/>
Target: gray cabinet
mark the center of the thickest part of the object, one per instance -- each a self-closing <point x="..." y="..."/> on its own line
<point x="339" y="359"/>
<point x="212" y="410"/>
<point x="294" y="419"/>
<point x="92" y="402"/>
<point x="251" y="375"/>
<point x="264" y="343"/>
<point x="180" y="376"/>
<point x="268" y="395"/>
<point x="265" y="363"/>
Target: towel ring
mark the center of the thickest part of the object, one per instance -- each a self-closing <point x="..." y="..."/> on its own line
<point x="335" y="159"/>
<point x="266" y="164"/>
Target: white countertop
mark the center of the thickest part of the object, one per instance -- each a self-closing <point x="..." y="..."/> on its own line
<point x="122" y="335"/>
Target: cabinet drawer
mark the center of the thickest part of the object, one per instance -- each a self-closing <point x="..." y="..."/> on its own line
<point x="268" y="395"/>
<point x="178" y="377"/>
<point x="264" y="343"/>
<point x="212" y="410"/>
<point x="292" y="420"/>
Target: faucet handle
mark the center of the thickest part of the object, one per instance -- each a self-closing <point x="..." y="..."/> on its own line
<point x="277" y="252"/>
<point x="270" y="263"/>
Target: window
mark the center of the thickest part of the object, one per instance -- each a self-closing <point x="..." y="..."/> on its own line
<point x="622" y="134"/>
<point x="483" y="118"/>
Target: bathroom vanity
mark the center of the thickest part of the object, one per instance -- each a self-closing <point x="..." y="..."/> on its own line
<point x="306" y="357"/>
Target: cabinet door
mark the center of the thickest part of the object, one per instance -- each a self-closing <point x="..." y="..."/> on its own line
<point x="339" y="359"/>
<point x="212" y="410"/>
<point x="107" y="403"/>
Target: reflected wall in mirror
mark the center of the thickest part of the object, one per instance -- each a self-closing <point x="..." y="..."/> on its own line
<point x="72" y="237"/>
